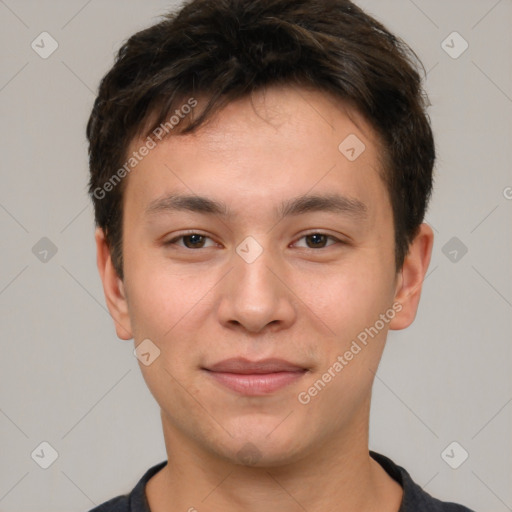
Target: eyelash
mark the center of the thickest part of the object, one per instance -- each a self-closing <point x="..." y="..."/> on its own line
<point x="190" y="233"/>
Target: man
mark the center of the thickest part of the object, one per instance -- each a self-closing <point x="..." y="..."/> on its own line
<point x="260" y="172"/>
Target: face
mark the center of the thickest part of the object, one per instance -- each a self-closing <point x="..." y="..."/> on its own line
<point x="288" y="256"/>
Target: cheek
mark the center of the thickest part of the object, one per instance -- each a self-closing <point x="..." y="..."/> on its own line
<point x="159" y="298"/>
<point x="348" y="298"/>
<point x="166" y="309"/>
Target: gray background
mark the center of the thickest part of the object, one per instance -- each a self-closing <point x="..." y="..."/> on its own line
<point x="67" y="379"/>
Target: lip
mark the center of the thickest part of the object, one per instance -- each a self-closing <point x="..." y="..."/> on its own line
<point x="255" y="378"/>
<point x="245" y="366"/>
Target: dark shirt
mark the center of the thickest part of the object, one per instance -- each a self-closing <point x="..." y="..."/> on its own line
<point x="415" y="499"/>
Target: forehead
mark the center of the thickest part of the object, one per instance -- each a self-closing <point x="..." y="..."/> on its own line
<point x="278" y="143"/>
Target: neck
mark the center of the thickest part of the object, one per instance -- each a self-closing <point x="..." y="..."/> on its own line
<point x="340" y="476"/>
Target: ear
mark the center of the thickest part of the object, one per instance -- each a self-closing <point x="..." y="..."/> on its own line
<point x="113" y="287"/>
<point x="410" y="279"/>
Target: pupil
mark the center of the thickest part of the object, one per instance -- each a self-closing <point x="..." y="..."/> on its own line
<point x="195" y="239"/>
<point x="317" y="238"/>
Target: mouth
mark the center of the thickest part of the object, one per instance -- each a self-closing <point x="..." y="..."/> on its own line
<point x="255" y="378"/>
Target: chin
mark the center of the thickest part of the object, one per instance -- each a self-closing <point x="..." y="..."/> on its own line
<point x="264" y="448"/>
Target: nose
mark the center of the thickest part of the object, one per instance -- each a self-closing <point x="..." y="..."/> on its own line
<point x="256" y="295"/>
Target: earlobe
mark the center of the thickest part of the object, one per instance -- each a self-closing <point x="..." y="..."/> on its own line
<point x="113" y="287"/>
<point x="411" y="277"/>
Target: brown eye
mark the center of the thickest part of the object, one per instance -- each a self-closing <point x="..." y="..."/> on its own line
<point x="191" y="241"/>
<point x="194" y="241"/>
<point x="318" y="240"/>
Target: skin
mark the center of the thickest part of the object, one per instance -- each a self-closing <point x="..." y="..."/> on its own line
<point x="301" y="300"/>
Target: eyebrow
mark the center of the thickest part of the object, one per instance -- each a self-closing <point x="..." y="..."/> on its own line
<point x="296" y="206"/>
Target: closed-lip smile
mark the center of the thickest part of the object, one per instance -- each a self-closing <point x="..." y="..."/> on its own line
<point x="255" y="378"/>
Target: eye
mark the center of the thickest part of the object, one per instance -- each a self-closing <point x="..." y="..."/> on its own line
<point x="318" y="240"/>
<point x="190" y="241"/>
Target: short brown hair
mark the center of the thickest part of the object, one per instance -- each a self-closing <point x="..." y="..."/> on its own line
<point x="227" y="49"/>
